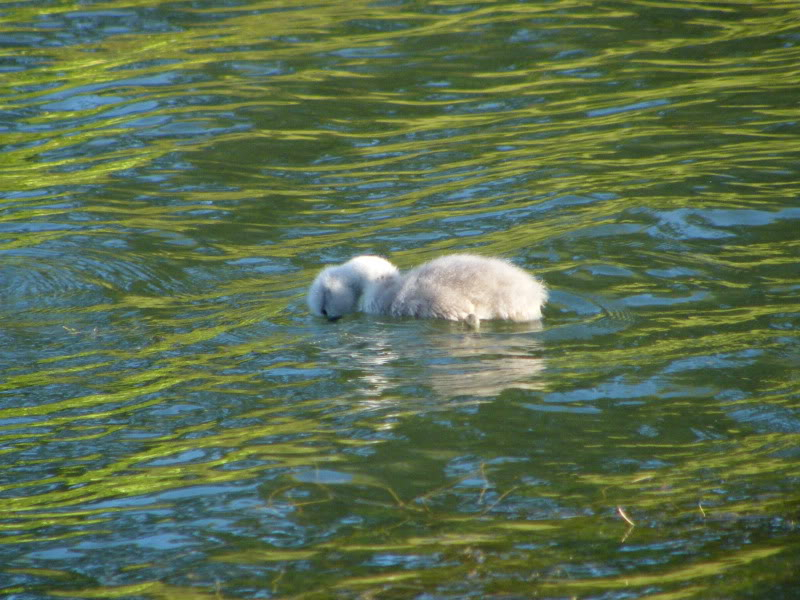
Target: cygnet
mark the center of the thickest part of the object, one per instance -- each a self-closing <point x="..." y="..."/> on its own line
<point x="458" y="287"/>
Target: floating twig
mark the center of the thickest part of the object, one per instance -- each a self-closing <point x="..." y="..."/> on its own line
<point x="500" y="499"/>
<point x="624" y="515"/>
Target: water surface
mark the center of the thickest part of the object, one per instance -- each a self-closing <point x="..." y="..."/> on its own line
<point x="174" y="424"/>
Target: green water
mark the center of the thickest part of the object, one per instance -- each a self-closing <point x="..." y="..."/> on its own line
<point x="174" y="424"/>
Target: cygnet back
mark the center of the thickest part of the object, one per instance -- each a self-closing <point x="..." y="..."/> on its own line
<point x="465" y="287"/>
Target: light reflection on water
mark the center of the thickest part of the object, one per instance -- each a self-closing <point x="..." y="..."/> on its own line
<point x="173" y="423"/>
<point x="449" y="359"/>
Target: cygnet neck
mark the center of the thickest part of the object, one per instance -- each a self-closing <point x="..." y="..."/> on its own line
<point x="372" y="277"/>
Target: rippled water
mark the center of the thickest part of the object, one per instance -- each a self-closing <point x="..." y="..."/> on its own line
<point x="173" y="424"/>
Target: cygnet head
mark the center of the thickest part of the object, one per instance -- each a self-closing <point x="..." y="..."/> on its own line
<point x="337" y="289"/>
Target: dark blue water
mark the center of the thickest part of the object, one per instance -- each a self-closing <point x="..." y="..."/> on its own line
<point x="173" y="422"/>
